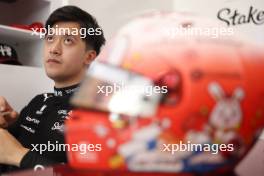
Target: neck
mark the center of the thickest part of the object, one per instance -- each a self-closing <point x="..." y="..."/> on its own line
<point x="68" y="82"/>
<point x="65" y="84"/>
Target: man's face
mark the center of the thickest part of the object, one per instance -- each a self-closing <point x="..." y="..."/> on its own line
<point x="65" y="56"/>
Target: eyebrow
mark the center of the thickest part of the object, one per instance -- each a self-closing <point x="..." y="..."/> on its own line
<point x="65" y="35"/>
<point x="70" y="35"/>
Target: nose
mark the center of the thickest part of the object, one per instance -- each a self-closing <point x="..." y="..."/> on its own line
<point x="55" y="48"/>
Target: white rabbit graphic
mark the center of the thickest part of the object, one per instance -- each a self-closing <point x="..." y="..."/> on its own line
<point x="226" y="115"/>
<point x="227" y="112"/>
<point x="224" y="120"/>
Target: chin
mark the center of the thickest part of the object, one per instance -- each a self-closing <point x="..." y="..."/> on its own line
<point x="53" y="75"/>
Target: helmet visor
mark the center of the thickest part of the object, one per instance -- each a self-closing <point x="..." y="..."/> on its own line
<point x="112" y="89"/>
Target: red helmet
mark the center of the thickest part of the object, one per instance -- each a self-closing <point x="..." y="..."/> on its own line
<point x="164" y="98"/>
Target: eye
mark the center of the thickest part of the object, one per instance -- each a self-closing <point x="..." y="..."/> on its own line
<point x="68" y="40"/>
<point x="49" y="38"/>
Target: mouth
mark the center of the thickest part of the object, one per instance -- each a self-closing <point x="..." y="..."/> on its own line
<point x="53" y="61"/>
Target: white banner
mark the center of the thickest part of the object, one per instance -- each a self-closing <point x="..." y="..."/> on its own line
<point x="245" y="16"/>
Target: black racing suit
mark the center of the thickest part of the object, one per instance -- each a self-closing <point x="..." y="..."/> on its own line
<point x="42" y="122"/>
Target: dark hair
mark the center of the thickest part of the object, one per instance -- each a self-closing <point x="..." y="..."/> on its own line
<point x="84" y="19"/>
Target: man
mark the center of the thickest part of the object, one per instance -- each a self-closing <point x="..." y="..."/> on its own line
<point x="67" y="55"/>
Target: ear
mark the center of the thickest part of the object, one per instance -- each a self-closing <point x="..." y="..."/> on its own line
<point x="238" y="94"/>
<point x="90" y="55"/>
<point x="216" y="91"/>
